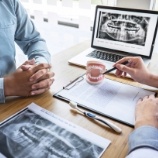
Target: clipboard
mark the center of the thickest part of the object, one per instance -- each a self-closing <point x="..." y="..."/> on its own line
<point x="112" y="99"/>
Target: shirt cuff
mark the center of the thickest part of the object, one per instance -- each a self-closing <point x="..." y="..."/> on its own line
<point x="144" y="137"/>
<point x="42" y="60"/>
<point x="2" y="97"/>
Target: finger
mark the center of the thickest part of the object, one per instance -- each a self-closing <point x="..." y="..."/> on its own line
<point x="132" y="64"/>
<point x="44" y="87"/>
<point x="40" y="66"/>
<point x="41" y="75"/>
<point x="118" y="73"/>
<point x="44" y="67"/>
<point x="43" y="84"/>
<point x="46" y="76"/>
<point x="152" y="96"/>
<point x="27" y="64"/>
<point x="146" y="97"/>
<point x="124" y="68"/>
<point x="38" y="75"/>
<point x="124" y="74"/>
<point x="139" y="101"/>
<point x="39" y="91"/>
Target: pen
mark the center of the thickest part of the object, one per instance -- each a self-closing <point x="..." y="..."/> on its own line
<point x="114" y="68"/>
<point x="95" y="117"/>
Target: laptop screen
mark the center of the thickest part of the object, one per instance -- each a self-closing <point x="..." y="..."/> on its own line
<point x="130" y="31"/>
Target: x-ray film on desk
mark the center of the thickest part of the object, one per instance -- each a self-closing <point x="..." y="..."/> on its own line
<point x="120" y="32"/>
<point x="37" y="133"/>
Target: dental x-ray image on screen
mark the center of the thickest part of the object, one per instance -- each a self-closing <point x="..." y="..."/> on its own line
<point x="131" y="32"/>
<point x="123" y="28"/>
<point x="120" y="32"/>
<point x="28" y="135"/>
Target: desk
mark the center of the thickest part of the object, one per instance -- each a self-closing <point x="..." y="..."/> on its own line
<point x="65" y="73"/>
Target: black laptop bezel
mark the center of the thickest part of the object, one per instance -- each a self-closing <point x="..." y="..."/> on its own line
<point x="124" y="9"/>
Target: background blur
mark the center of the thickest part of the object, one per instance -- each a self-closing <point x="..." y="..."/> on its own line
<point x="64" y="23"/>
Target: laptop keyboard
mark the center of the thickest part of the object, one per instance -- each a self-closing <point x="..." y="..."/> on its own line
<point x="105" y="56"/>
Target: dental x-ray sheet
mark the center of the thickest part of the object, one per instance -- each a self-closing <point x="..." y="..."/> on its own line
<point x="35" y="132"/>
<point x="109" y="98"/>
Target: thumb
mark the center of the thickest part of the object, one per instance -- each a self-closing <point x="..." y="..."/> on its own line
<point x="124" y="68"/>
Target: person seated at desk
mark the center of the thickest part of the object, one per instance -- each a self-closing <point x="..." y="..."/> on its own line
<point x="143" y="141"/>
<point x="33" y="77"/>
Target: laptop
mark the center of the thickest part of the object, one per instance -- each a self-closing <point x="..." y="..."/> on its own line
<point x="120" y="32"/>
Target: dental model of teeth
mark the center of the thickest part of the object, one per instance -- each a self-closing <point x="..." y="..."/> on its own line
<point x="95" y="70"/>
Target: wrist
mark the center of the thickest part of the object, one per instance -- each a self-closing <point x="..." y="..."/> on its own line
<point x="152" y="80"/>
<point x="8" y="86"/>
<point x="150" y="121"/>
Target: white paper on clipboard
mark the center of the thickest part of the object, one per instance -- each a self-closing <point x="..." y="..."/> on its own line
<point x="110" y="98"/>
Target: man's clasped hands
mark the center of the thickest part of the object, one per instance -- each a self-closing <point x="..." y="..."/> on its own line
<point x="29" y="79"/>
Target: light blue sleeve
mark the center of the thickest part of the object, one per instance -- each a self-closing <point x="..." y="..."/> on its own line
<point x="2" y="97"/>
<point x="146" y="138"/>
<point x="28" y="38"/>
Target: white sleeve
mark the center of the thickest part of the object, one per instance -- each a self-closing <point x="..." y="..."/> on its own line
<point x="143" y="153"/>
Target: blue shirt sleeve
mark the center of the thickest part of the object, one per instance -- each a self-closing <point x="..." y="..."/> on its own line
<point x="2" y="97"/>
<point x="144" y="137"/>
<point x="28" y="38"/>
<point x="16" y="26"/>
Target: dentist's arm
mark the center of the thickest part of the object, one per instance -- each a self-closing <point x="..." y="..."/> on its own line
<point x="143" y="141"/>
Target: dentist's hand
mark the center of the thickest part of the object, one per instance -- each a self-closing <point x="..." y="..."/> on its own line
<point x="135" y="68"/>
<point x="147" y="112"/>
